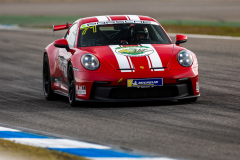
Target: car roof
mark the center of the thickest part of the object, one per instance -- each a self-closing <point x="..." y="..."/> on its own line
<point x="116" y="18"/>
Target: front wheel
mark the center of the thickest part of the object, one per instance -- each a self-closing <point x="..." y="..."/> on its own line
<point x="48" y="92"/>
<point x="71" y="86"/>
<point x="187" y="100"/>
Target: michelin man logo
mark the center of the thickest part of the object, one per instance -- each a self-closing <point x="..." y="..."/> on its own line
<point x="134" y="83"/>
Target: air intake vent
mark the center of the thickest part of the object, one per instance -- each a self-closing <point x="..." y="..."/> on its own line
<point x="156" y="92"/>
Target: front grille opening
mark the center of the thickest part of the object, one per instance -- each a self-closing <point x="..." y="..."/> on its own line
<point x="134" y="93"/>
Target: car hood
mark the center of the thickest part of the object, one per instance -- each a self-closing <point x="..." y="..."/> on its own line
<point x="135" y="58"/>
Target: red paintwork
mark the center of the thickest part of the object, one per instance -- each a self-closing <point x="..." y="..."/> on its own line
<point x="180" y="37"/>
<point x="145" y="18"/>
<point x="90" y="19"/>
<point x="61" y="42"/>
<point x="109" y="65"/>
<point x="115" y="18"/>
<point x="61" y="27"/>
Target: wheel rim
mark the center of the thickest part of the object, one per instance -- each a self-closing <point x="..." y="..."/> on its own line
<point x="70" y="85"/>
<point x="46" y="79"/>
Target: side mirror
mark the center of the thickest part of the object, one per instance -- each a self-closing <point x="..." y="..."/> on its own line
<point x="62" y="43"/>
<point x="180" y="39"/>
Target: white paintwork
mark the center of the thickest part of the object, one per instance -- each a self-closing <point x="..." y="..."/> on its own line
<point x="102" y="18"/>
<point x="8" y="129"/>
<point x="122" y="60"/>
<point x="154" y="58"/>
<point x="55" y="143"/>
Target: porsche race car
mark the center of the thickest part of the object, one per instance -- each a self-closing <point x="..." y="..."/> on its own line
<point x="119" y="58"/>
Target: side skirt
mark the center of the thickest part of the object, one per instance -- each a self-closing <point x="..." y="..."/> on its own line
<point x="60" y="92"/>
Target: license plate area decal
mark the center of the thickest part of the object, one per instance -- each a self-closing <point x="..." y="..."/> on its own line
<point x="144" y="83"/>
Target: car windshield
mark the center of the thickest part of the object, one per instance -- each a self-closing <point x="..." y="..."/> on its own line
<point x="97" y="34"/>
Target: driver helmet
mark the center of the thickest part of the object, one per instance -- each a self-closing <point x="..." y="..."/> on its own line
<point x="139" y="32"/>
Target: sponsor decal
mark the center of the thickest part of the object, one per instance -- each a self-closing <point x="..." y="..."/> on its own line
<point x="124" y="54"/>
<point x="56" y="80"/>
<point x="134" y="51"/>
<point x="63" y="65"/>
<point x="120" y="81"/>
<point x="145" y="82"/>
<point x="85" y="28"/>
<point x="197" y="86"/>
<point x="81" y="89"/>
<point x="59" y="81"/>
<point x="75" y="69"/>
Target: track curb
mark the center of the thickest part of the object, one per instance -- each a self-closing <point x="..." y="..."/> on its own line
<point x="69" y="145"/>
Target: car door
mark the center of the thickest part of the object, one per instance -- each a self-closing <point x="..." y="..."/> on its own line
<point x="64" y="55"/>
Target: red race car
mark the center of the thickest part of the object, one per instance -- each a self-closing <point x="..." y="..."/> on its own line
<point x="119" y="58"/>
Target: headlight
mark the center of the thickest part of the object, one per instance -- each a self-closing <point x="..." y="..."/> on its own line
<point x="185" y="58"/>
<point x="90" y="62"/>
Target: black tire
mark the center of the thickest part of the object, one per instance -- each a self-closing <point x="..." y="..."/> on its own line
<point x="71" y="86"/>
<point x="188" y="100"/>
<point x="47" y="89"/>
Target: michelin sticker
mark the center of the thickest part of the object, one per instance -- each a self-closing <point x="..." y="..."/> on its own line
<point x="134" y="51"/>
<point x="144" y="82"/>
<point x="81" y="89"/>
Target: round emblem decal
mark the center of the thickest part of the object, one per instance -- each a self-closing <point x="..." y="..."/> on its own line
<point x="134" y="51"/>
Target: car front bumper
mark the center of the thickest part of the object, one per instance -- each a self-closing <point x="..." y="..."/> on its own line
<point x="124" y="94"/>
<point x="177" y="84"/>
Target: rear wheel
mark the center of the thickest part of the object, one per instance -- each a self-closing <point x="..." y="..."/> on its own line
<point x="188" y="100"/>
<point x="71" y="86"/>
<point x="48" y="92"/>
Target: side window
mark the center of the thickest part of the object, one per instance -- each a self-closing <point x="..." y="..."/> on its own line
<point x="71" y="35"/>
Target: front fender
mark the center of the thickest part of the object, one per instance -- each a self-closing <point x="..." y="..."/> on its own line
<point x="174" y="61"/>
<point x="51" y="51"/>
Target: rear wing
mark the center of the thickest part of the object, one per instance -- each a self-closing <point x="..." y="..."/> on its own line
<point x="61" y="27"/>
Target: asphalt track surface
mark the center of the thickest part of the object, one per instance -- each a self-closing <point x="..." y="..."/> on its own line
<point x="208" y="129"/>
<point x="216" y="10"/>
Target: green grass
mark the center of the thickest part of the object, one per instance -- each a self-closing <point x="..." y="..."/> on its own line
<point x="202" y="27"/>
<point x="13" y="150"/>
<point x="171" y="26"/>
<point x="207" y="30"/>
<point x="37" y="20"/>
<point x="200" y="23"/>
